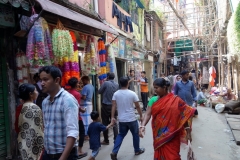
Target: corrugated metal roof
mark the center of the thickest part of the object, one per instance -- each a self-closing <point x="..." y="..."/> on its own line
<point x="62" y="11"/>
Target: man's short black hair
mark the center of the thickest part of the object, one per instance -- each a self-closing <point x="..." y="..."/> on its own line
<point x="73" y="82"/>
<point x="111" y="76"/>
<point x="184" y="72"/>
<point x="52" y="70"/>
<point x="143" y="72"/>
<point x="132" y="71"/>
<point x="85" y="78"/>
<point x="123" y="81"/>
<point x="94" y="115"/>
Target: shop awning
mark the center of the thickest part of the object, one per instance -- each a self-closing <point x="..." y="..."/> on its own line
<point x="62" y="11"/>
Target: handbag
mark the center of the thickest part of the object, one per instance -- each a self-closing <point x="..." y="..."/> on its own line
<point x="190" y="155"/>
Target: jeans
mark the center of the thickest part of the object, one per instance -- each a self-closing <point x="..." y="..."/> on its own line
<point x="144" y="96"/>
<point x="106" y="120"/>
<point x="72" y="156"/>
<point x="123" y="130"/>
<point x="81" y="133"/>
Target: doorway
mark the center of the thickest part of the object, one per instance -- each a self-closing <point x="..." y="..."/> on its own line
<point x="120" y="64"/>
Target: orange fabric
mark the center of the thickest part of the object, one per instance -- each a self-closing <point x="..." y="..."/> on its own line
<point x="169" y="114"/>
<point x="144" y="88"/>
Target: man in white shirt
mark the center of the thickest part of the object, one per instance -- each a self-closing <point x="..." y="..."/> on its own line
<point x="124" y="101"/>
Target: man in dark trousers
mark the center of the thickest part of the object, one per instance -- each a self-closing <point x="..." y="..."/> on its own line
<point x="107" y="90"/>
<point x="144" y="89"/>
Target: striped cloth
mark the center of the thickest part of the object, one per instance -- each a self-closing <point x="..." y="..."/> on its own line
<point x="86" y="118"/>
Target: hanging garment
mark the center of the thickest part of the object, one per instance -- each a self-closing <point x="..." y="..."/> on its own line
<point x="212" y="72"/>
<point x="129" y="23"/>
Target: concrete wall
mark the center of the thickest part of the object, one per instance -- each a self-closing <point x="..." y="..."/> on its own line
<point x="86" y="4"/>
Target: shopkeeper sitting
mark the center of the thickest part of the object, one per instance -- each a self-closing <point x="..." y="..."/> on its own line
<point x="229" y="95"/>
<point x="201" y="98"/>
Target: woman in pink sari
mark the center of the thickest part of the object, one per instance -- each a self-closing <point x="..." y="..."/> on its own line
<point x="171" y="117"/>
<point x="175" y="79"/>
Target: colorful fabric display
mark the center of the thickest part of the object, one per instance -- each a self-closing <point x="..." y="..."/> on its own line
<point x="22" y="68"/>
<point x="90" y="57"/>
<point x="102" y="57"/>
<point x="111" y="59"/>
<point x="70" y="63"/>
<point x="39" y="44"/>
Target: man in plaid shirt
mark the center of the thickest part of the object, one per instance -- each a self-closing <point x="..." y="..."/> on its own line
<point x="60" y="113"/>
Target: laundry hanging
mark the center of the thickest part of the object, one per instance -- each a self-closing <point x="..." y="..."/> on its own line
<point x="212" y="73"/>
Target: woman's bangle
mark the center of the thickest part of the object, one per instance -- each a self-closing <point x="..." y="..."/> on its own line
<point x="187" y="128"/>
<point x="142" y="127"/>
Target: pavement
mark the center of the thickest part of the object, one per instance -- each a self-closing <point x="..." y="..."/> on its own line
<point x="212" y="140"/>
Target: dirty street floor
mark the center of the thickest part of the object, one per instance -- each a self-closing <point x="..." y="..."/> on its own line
<point x="212" y="140"/>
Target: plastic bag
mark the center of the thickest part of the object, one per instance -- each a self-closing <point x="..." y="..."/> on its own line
<point x="190" y="155"/>
<point x="219" y="108"/>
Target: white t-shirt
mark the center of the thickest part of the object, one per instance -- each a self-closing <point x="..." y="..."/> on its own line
<point x="125" y="105"/>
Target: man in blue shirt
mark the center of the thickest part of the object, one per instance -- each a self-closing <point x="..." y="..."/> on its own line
<point x="185" y="89"/>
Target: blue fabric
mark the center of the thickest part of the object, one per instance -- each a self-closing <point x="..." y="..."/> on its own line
<point x="94" y="130"/>
<point x="128" y="23"/>
<point x="88" y="91"/>
<point x="186" y="91"/>
<point x="95" y="152"/>
<point x="124" y="127"/>
<point x="200" y="96"/>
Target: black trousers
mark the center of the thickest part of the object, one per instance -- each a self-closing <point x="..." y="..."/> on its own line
<point x="81" y="133"/>
<point x="106" y="120"/>
<point x="144" y="96"/>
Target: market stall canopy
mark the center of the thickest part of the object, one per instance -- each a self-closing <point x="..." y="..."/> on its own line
<point x="70" y="14"/>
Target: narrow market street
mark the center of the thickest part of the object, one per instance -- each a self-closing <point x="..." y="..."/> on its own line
<point x="212" y="140"/>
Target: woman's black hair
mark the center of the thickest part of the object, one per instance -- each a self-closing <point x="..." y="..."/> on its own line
<point x="73" y="82"/>
<point x="161" y="82"/>
<point x="203" y="88"/>
<point x="24" y="91"/>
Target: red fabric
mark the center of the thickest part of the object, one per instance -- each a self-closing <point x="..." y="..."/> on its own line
<point x="169" y="114"/>
<point x="77" y="95"/>
<point x="18" y="111"/>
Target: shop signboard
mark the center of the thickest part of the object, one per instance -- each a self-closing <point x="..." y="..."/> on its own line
<point x="6" y="16"/>
<point x="129" y="47"/>
<point x="115" y="43"/>
<point x="137" y="54"/>
<point x="121" y="47"/>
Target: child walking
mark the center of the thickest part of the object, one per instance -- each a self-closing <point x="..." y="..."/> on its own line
<point x="94" y="130"/>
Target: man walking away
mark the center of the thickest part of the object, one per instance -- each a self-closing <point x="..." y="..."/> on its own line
<point x="185" y="89"/>
<point x="123" y="100"/>
<point x="144" y="89"/>
<point x="107" y="90"/>
<point x="131" y="80"/>
<point x="87" y="94"/>
<point x="73" y="82"/>
<point x="60" y="115"/>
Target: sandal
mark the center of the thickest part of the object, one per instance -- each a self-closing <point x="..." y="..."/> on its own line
<point x="82" y="155"/>
<point x="142" y="150"/>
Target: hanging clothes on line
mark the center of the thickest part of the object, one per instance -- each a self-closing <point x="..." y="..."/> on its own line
<point x="212" y="73"/>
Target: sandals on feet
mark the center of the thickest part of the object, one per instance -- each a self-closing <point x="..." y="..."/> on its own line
<point x="82" y="155"/>
<point x="142" y="150"/>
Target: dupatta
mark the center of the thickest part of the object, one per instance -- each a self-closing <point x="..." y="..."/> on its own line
<point x="169" y="114"/>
